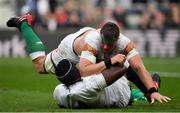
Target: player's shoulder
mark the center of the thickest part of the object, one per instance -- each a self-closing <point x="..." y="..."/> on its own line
<point x="93" y="38"/>
<point x="123" y="38"/>
<point x="93" y="34"/>
<point x="87" y="28"/>
<point x="122" y="41"/>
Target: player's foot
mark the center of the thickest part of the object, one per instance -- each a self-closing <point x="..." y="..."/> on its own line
<point x="157" y="80"/>
<point x="137" y="95"/>
<point x="17" y="21"/>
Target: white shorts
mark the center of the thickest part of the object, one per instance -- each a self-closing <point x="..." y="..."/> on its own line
<point x="92" y="92"/>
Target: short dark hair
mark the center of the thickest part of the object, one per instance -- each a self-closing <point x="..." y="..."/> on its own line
<point x="110" y="32"/>
<point x="67" y="73"/>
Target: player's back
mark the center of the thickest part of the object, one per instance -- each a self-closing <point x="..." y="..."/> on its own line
<point x="81" y="35"/>
<point x="71" y="44"/>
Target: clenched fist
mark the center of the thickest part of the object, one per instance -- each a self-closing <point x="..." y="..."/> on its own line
<point x="118" y="59"/>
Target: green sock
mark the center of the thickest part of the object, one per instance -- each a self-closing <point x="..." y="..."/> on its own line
<point x="137" y="95"/>
<point x="34" y="45"/>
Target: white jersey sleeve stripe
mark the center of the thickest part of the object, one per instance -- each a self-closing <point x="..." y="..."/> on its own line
<point x="132" y="53"/>
<point x="89" y="56"/>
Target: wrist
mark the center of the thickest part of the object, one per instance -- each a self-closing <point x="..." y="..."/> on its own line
<point x="149" y="92"/>
<point x="108" y="63"/>
<point x="152" y="90"/>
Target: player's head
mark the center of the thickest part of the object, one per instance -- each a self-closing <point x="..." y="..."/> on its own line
<point x="109" y="35"/>
<point x="67" y="73"/>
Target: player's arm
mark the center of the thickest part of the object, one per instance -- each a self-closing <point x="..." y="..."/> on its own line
<point x="136" y="63"/>
<point x="87" y="63"/>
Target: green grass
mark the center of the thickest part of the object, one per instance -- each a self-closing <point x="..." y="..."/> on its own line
<point x="23" y="90"/>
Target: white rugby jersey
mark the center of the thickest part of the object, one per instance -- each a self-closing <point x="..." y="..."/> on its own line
<point x="92" y="91"/>
<point x="93" y="38"/>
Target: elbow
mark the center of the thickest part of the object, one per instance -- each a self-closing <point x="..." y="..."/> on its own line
<point x="82" y="72"/>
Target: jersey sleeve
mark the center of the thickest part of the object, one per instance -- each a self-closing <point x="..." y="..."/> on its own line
<point x="91" y="46"/>
<point x="127" y="47"/>
<point x="122" y="42"/>
<point x="93" y="39"/>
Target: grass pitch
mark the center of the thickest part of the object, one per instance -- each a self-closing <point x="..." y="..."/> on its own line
<point x="23" y="90"/>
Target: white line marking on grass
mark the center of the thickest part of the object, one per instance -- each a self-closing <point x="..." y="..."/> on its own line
<point x="168" y="74"/>
<point x="166" y="63"/>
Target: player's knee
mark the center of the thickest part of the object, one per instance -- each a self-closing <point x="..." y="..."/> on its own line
<point x="40" y="68"/>
<point x="39" y="65"/>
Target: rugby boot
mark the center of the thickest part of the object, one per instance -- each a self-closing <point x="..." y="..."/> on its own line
<point x="17" y="21"/>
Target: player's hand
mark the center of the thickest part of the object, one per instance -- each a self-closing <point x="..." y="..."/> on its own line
<point x="158" y="97"/>
<point x="119" y="58"/>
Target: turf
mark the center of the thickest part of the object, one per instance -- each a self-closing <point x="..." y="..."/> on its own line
<point x="23" y="90"/>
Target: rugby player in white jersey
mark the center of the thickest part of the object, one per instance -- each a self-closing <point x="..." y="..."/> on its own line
<point x="107" y="89"/>
<point x="85" y="45"/>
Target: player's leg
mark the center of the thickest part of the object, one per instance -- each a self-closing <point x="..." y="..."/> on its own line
<point x="134" y="78"/>
<point x="34" y="45"/>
